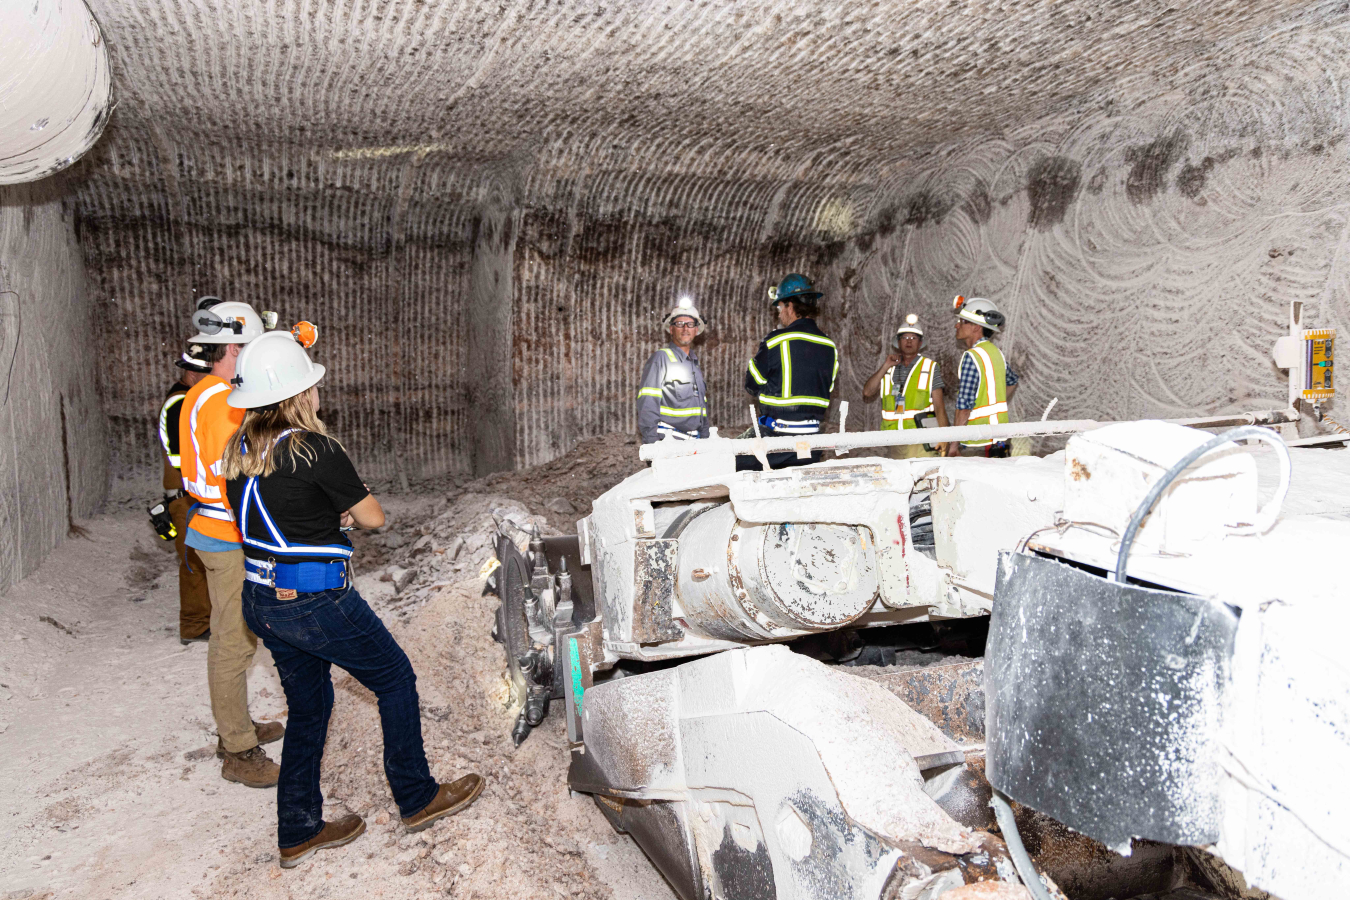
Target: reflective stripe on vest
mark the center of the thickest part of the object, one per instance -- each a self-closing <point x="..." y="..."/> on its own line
<point x="279" y="545"/>
<point x="991" y="400"/>
<point x="213" y="511"/>
<point x="199" y="487"/>
<point x="174" y="399"/>
<point x="784" y="344"/>
<point x="918" y="390"/>
<point x="754" y="373"/>
<point x="890" y="419"/>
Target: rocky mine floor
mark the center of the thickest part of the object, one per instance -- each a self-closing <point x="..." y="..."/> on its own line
<point x="109" y="737"/>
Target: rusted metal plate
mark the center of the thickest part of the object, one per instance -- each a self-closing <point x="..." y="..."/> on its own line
<point x="950" y="695"/>
<point x="654" y="591"/>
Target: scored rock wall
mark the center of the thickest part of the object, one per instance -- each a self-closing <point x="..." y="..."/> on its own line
<point x="1145" y="254"/>
<point x="385" y="274"/>
<point x="488" y="214"/>
<point x="53" y="449"/>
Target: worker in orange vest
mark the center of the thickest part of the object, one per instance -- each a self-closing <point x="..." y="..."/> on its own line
<point x="206" y="424"/>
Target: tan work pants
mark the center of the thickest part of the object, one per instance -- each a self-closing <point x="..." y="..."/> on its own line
<point x="194" y="601"/>
<point x="910" y="451"/>
<point x="230" y="650"/>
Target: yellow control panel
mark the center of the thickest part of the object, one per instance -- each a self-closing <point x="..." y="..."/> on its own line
<point x="1319" y="364"/>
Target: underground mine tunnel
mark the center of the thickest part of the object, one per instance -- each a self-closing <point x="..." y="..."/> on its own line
<point x="802" y="450"/>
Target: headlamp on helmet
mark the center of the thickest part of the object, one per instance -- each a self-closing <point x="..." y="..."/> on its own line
<point x="306" y="334"/>
<point x="684" y="309"/>
<point x="911" y="326"/>
<point x="196" y="358"/>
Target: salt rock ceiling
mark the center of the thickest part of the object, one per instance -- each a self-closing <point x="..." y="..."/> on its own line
<point x="314" y="94"/>
<point x="486" y="205"/>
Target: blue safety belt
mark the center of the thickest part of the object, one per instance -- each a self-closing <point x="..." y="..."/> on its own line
<point x="790" y="426"/>
<point x="306" y="577"/>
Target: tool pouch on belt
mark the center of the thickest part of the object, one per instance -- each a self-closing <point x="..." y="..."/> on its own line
<point x="926" y="420"/>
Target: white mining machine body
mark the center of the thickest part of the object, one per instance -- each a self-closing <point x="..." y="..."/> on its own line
<point x="1202" y="698"/>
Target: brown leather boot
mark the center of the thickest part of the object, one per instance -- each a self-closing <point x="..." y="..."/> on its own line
<point x="450" y="799"/>
<point x="267" y="733"/>
<point x="252" y="768"/>
<point x="334" y="834"/>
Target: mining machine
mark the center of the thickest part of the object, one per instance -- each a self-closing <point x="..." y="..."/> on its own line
<point x="1166" y="608"/>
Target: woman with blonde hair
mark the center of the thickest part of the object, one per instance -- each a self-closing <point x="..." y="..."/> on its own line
<point x="293" y="490"/>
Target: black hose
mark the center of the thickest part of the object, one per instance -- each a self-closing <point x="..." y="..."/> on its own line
<point x="1127" y="540"/>
<point x="1026" y="869"/>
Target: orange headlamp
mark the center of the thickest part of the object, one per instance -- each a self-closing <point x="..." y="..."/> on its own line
<point x="305" y="334"/>
<point x="957" y="303"/>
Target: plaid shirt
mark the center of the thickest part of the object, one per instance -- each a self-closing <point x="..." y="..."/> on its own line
<point x="970" y="382"/>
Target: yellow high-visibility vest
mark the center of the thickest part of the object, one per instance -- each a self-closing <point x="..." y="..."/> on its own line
<point x="991" y="400"/>
<point x="918" y="395"/>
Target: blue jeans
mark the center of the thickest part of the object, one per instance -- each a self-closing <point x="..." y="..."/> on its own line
<point x="306" y="637"/>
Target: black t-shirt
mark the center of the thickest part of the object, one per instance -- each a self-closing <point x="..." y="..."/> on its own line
<point x="304" y="499"/>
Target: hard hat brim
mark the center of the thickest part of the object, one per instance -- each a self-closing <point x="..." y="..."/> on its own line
<point x="221" y="338"/>
<point x="895" y="341"/>
<point x="974" y="321"/>
<point x="684" y="313"/>
<point x="804" y="296"/>
<point x="253" y="399"/>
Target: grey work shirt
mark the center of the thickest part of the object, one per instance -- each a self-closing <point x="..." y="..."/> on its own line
<point x="900" y="375"/>
<point x="672" y="392"/>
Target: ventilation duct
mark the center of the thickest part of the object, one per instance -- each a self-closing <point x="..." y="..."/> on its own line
<point x="55" y="87"/>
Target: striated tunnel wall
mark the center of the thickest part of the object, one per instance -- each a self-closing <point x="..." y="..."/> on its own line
<point x="386" y="276"/>
<point x="487" y="213"/>
<point x="595" y="280"/>
<point x="1146" y="256"/>
<point x="53" y="449"/>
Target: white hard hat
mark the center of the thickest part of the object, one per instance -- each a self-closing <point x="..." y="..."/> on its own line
<point x="684" y="307"/>
<point x="980" y="311"/>
<point x="911" y="326"/>
<point x="270" y="369"/>
<point x="226" y="323"/>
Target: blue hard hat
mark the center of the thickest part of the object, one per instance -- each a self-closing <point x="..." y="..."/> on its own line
<point x="794" y="287"/>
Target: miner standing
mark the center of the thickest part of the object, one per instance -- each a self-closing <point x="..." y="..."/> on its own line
<point x="910" y="387"/>
<point x="986" y="383"/>
<point x="194" y="603"/>
<point x="206" y="426"/>
<point x="294" y="489"/>
<point x="672" y="398"/>
<point x="793" y="372"/>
